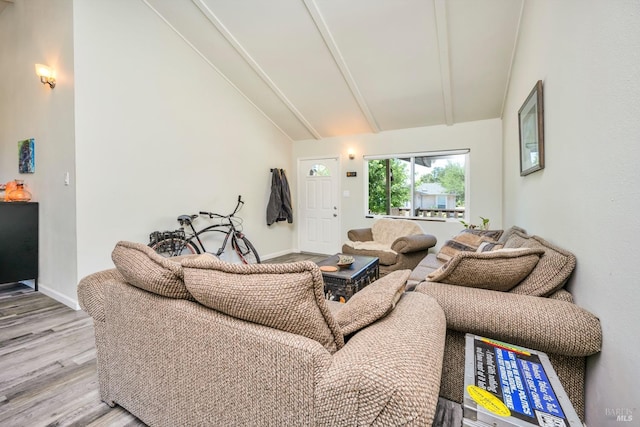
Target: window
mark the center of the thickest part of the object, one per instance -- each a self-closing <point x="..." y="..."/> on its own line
<point x="319" y="170"/>
<point x="424" y="185"/>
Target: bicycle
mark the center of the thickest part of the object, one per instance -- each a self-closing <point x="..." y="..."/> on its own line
<point x="179" y="242"/>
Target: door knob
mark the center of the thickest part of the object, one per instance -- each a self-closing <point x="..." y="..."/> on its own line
<point x="335" y="214"/>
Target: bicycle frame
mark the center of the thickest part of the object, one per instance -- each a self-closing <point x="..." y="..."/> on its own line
<point x="176" y="242"/>
<point x="195" y="235"/>
<point x="226" y="221"/>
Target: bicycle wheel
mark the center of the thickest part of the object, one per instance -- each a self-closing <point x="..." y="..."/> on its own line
<point x="174" y="247"/>
<point x="245" y="249"/>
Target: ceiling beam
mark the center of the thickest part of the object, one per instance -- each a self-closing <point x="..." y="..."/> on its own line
<point x="330" y="42"/>
<point x="443" y="49"/>
<point x="255" y="66"/>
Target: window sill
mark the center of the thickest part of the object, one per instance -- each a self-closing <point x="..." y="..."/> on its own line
<point x="414" y="218"/>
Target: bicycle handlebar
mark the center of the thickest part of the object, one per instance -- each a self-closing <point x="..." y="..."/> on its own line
<point x="212" y="214"/>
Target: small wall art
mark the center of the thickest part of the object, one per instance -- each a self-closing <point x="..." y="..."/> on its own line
<point x="531" y="126"/>
<point x="27" y="156"/>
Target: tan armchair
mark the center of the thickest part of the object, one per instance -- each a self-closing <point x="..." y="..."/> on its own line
<point x="398" y="243"/>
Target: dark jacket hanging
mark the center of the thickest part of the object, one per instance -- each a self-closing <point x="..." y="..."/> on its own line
<point x="279" y="207"/>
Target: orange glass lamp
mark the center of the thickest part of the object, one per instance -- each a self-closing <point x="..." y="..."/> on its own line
<point x="11" y="185"/>
<point x="46" y="74"/>
<point x="16" y="192"/>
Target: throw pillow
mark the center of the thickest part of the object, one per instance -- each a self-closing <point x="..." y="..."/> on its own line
<point x="499" y="270"/>
<point x="288" y="297"/>
<point x="143" y="268"/>
<point x="553" y="270"/>
<point x="372" y="303"/>
<point x="489" y="246"/>
<point x="487" y="234"/>
<point x="466" y="240"/>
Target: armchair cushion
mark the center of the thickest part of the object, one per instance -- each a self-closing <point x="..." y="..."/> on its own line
<point x="372" y="303"/>
<point x="498" y="270"/>
<point x="143" y="268"/>
<point x="360" y="235"/>
<point x="289" y="297"/>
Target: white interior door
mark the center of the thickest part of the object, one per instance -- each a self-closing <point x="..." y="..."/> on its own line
<point x="318" y="182"/>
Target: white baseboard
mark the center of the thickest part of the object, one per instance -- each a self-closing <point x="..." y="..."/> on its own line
<point x="275" y="254"/>
<point x="69" y="302"/>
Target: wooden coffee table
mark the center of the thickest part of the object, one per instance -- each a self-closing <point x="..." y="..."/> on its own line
<point x="343" y="282"/>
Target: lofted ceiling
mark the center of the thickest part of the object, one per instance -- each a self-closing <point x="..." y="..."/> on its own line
<point x="323" y="68"/>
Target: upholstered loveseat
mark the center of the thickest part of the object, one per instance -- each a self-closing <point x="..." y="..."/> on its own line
<point x="398" y="243"/>
<point x="514" y="292"/>
<point x="204" y="342"/>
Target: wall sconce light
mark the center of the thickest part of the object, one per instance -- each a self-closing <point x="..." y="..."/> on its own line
<point x="351" y="155"/>
<point x="46" y="75"/>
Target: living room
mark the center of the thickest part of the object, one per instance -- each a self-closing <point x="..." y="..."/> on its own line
<point x="148" y="130"/>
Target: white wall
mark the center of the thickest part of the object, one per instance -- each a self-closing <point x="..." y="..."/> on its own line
<point x="159" y="133"/>
<point x="586" y="199"/>
<point x="484" y="138"/>
<point x="40" y="31"/>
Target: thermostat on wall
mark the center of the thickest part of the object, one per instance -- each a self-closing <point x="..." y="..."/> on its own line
<point x="349" y="174"/>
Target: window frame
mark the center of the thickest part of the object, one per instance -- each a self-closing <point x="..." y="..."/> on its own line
<point x="443" y="153"/>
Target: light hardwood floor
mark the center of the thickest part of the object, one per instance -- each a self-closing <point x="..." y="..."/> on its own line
<point x="48" y="365"/>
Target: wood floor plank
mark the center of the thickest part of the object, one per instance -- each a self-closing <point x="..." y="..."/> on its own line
<point x="48" y="366"/>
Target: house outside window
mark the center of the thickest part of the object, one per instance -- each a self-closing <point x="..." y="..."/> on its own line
<point x="418" y="185"/>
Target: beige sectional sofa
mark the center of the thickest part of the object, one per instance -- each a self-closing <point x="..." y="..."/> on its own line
<point x="507" y="297"/>
<point x="197" y="341"/>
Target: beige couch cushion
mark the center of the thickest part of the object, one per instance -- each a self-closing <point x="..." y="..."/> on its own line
<point x="498" y="270"/>
<point x="386" y="230"/>
<point x="551" y="273"/>
<point x="422" y="270"/>
<point x="289" y="297"/>
<point x="143" y="268"/>
<point x="372" y="303"/>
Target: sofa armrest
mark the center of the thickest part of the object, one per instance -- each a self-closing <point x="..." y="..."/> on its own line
<point x="549" y="325"/>
<point x="91" y="292"/>
<point x="388" y="371"/>
<point x="360" y="235"/>
<point x="413" y="243"/>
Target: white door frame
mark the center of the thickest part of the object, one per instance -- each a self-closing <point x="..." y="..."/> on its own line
<point x="338" y="199"/>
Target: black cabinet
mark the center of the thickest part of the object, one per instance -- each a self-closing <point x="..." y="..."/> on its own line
<point x="18" y="242"/>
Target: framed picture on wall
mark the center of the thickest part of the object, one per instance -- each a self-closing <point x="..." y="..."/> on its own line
<point x="531" y="127"/>
<point x="27" y="156"/>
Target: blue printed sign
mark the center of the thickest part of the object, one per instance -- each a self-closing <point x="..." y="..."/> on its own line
<point x="518" y="379"/>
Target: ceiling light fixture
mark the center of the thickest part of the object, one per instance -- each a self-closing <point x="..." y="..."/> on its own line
<point x="46" y="74"/>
